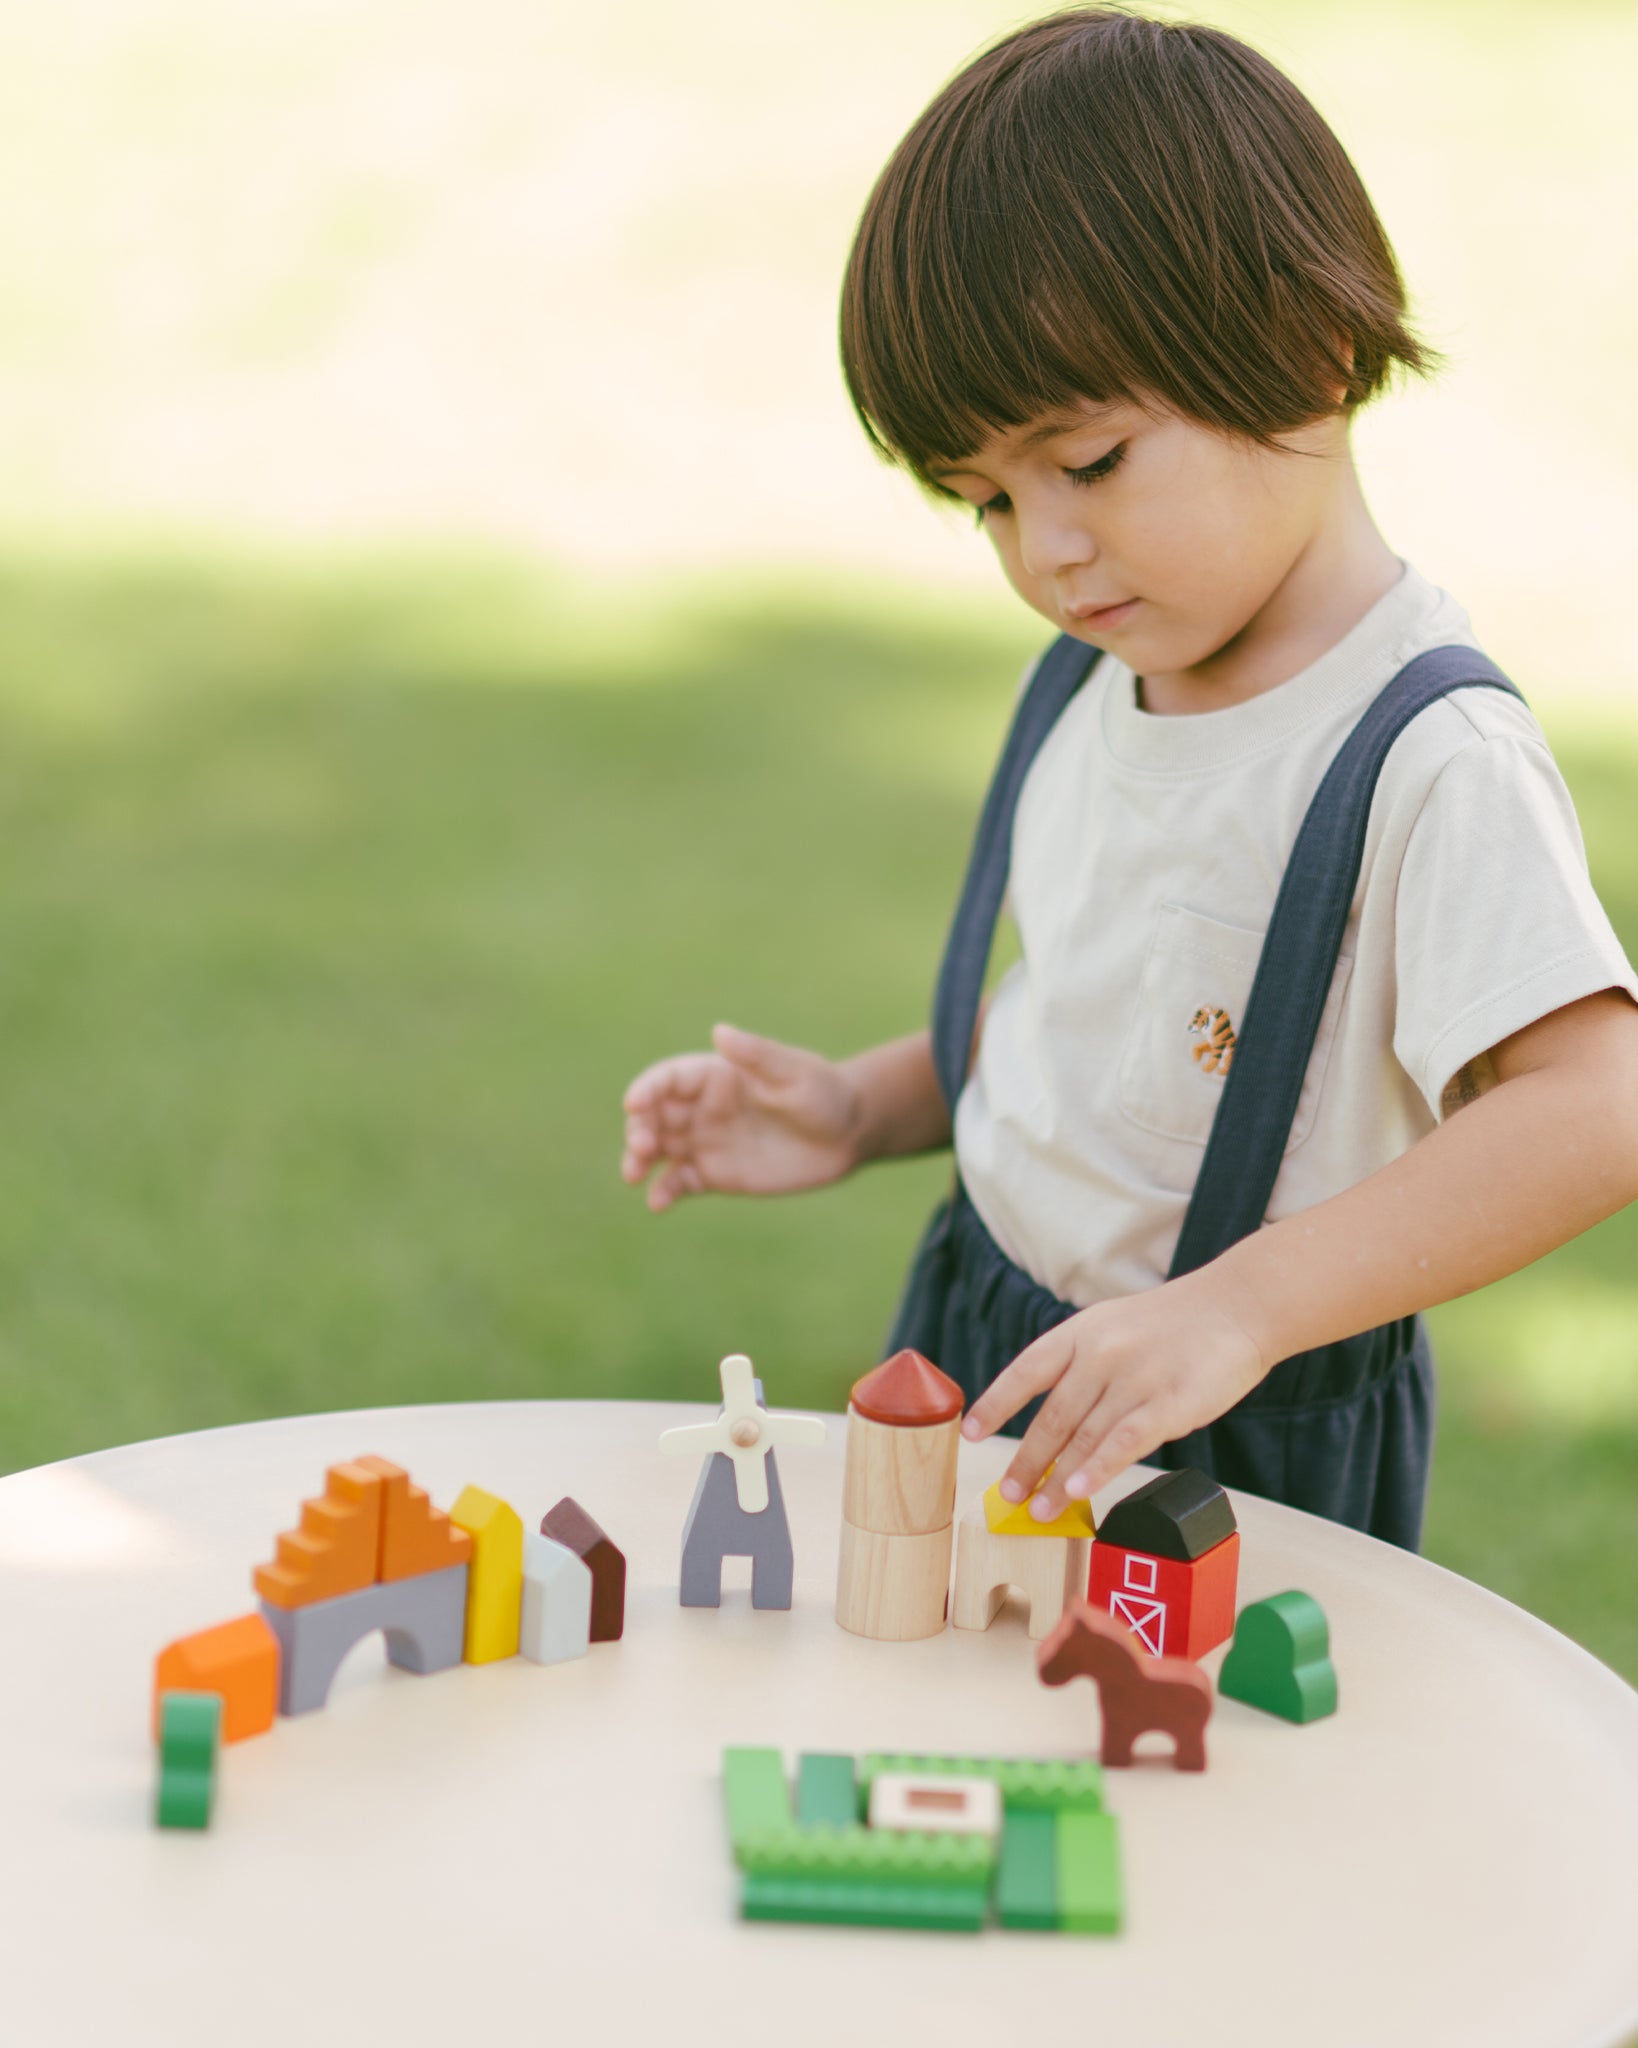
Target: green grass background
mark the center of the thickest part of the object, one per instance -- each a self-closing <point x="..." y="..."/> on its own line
<point x="339" y="903"/>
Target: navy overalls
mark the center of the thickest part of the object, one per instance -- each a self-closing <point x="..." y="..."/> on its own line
<point x="1345" y="1431"/>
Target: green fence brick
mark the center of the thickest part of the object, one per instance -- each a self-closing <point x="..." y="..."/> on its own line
<point x="825" y="1795"/>
<point x="1087" y="1869"/>
<point x="190" y="1731"/>
<point x="874" y="1855"/>
<point x="1026" y="1881"/>
<point x="852" y="1902"/>
<point x="759" y="1798"/>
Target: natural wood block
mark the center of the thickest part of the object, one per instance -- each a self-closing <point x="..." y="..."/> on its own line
<point x="1048" y="1570"/>
<point x="898" y="1481"/>
<point x="894" y="1589"/>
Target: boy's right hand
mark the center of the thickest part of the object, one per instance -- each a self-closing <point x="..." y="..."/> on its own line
<point x="752" y="1118"/>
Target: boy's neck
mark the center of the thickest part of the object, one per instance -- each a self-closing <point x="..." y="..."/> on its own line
<point x="1342" y="571"/>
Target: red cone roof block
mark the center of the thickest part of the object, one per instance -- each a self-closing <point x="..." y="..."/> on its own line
<point x="908" y="1391"/>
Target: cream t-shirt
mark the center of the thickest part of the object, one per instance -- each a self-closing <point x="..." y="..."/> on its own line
<point x="1146" y="855"/>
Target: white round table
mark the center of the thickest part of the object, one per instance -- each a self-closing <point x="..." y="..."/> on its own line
<point x="518" y="1854"/>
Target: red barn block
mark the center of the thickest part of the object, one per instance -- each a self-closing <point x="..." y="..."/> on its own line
<point x="1166" y="1562"/>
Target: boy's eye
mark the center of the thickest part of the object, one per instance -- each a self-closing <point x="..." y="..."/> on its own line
<point x="999" y="503"/>
<point x="1106" y="465"/>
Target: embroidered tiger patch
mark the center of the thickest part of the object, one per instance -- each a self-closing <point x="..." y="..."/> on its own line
<point x="1216" y="1033"/>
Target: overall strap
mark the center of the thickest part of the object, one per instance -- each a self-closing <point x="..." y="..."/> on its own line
<point x="1058" y="675"/>
<point x="1298" y="961"/>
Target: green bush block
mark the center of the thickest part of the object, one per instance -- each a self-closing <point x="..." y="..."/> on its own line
<point x="759" y="1798"/>
<point x="851" y="1902"/>
<point x="1026" y="1880"/>
<point x="190" y="1731"/>
<point x="876" y="1855"/>
<point x="1280" y="1659"/>
<point x="1087" y="1871"/>
<point x="1028" y="1784"/>
<point x="825" y="1795"/>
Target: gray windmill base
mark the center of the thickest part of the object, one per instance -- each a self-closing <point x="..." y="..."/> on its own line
<point x="719" y="1527"/>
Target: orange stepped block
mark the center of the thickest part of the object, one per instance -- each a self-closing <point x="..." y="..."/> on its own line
<point x="337" y="1548"/>
<point x="416" y="1537"/>
<point x="239" y="1660"/>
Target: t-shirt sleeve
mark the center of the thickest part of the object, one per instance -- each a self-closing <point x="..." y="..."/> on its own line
<point x="1497" y="921"/>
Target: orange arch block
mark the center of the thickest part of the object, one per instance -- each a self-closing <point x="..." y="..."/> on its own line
<point x="416" y="1537"/>
<point x="239" y="1660"/>
<point x="337" y="1548"/>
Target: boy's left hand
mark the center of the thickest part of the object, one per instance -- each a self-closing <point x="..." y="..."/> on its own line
<point x="1125" y="1377"/>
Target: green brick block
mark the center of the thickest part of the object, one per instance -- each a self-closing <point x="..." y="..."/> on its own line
<point x="825" y="1795"/>
<point x="759" y="1799"/>
<point x="852" y="1902"/>
<point x="1087" y="1870"/>
<point x="1026" y="1880"/>
<point x="190" y="1731"/>
<point x="1028" y="1784"/>
<point x="870" y="1855"/>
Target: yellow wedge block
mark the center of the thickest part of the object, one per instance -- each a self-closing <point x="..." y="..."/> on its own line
<point x="494" y="1586"/>
<point x="1002" y="1518"/>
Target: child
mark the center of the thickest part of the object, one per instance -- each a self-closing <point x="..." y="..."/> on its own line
<point x="1318" y="1020"/>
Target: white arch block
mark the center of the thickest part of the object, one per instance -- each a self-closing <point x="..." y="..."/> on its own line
<point x="555" y="1623"/>
<point x="1049" y="1571"/>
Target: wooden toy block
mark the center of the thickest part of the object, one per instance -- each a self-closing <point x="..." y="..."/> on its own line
<point x="336" y="1548"/>
<point x="190" y="1727"/>
<point x="759" y="1799"/>
<point x="1027" y="1784"/>
<point x="909" y="1392"/>
<point x="1049" y="1571"/>
<point x="555" y="1621"/>
<point x="1173" y="1608"/>
<point x="1180" y="1515"/>
<point x="894" y="1589"/>
<point x="1136" y="1692"/>
<point x="494" y="1593"/>
<point x="238" y="1660"/>
<point x="1086" y="1873"/>
<point x="424" y="1619"/>
<point x="1281" y="1659"/>
<point x="852" y="1902"/>
<point x="745" y="1432"/>
<point x="1026" y="1880"/>
<point x="1013" y="1518"/>
<point x="899" y="1481"/>
<point x="826" y="1796"/>
<point x="936" y="1803"/>
<point x="870" y="1855"/>
<point x="569" y="1524"/>
<point x="415" y="1536"/>
<point x="718" y="1527"/>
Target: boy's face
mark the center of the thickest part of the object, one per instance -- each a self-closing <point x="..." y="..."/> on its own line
<point x="1147" y="534"/>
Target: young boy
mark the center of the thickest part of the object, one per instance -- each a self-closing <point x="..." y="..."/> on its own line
<point x="1318" y="1020"/>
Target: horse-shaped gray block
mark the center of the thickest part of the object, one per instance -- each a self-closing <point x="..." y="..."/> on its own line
<point x="719" y="1527"/>
<point x="424" y="1618"/>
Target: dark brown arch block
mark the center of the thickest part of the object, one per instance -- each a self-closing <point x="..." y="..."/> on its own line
<point x="569" y="1524"/>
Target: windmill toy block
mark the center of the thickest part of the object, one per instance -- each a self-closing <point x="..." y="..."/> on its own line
<point x="739" y="1508"/>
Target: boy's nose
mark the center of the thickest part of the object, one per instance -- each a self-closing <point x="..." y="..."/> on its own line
<point x="1049" y="546"/>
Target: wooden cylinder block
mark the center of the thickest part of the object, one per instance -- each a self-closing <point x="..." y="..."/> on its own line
<point x="899" y="1482"/>
<point x="893" y="1589"/>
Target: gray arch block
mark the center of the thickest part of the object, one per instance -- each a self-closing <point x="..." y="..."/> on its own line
<point x="424" y="1619"/>
<point x="719" y="1527"/>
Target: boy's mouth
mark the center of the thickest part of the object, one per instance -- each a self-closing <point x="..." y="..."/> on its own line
<point x="1101" y="615"/>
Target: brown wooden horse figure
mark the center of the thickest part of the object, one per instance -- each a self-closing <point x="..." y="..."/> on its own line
<point x="1137" y="1691"/>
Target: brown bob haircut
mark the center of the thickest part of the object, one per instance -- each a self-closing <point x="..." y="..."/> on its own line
<point x="1105" y="206"/>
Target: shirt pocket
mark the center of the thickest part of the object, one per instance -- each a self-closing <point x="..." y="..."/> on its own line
<point x="1179" y="1049"/>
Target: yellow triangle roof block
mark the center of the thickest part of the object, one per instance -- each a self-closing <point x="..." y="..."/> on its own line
<point x="1003" y="1518"/>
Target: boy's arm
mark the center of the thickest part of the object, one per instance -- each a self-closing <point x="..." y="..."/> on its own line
<point x="901" y="1107"/>
<point x="1525" y="1165"/>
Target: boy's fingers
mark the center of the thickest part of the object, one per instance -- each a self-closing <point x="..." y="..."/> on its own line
<point x="1106" y="1424"/>
<point x="672" y="1185"/>
<point x="1088" y="1468"/>
<point x="1035" y="1369"/>
<point x="765" y="1057"/>
<point x="684" y="1075"/>
<point x="1070" y="1404"/>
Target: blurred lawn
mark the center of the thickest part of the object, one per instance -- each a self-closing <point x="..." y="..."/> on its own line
<point x="338" y="906"/>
